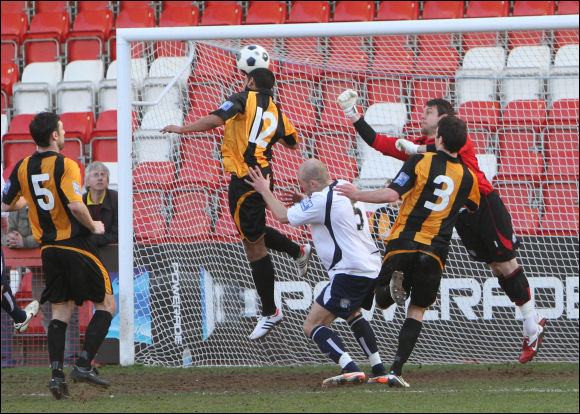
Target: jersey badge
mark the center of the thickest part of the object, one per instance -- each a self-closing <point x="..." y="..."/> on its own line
<point x="306" y="204"/>
<point x="226" y="105"/>
<point x="401" y="179"/>
<point x="77" y="188"/>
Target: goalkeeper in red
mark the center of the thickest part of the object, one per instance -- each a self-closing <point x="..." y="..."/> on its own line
<point x="487" y="234"/>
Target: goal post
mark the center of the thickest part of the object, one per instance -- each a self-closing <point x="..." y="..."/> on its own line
<point x="191" y="284"/>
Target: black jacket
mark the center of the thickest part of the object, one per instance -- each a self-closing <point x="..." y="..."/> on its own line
<point x="109" y="216"/>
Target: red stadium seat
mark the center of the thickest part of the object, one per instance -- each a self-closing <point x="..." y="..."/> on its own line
<point x="132" y="17"/>
<point x="184" y="16"/>
<point x="13" y="151"/>
<point x="480" y="114"/>
<point x="520" y="202"/>
<point x="560" y="209"/>
<point x="397" y="10"/>
<point x="525" y="113"/>
<point x="43" y="41"/>
<point x="52" y="6"/>
<point x="217" y="15"/>
<point x="204" y="97"/>
<point x="285" y="164"/>
<point x="149" y="223"/>
<point x="93" y="5"/>
<point x="214" y="64"/>
<point x="392" y="58"/>
<point x="266" y="12"/>
<point x="423" y="90"/>
<point x="441" y="60"/>
<point x="225" y="229"/>
<point x="479" y="9"/>
<point x="91" y="29"/>
<point x="20" y="124"/>
<point x="9" y="77"/>
<point x="190" y="221"/>
<point x="296" y="101"/>
<point x="309" y="12"/>
<point x="200" y="165"/>
<point x="384" y="90"/>
<point x="346" y="52"/>
<point x="338" y="158"/>
<point x="440" y="10"/>
<point x="562" y="154"/>
<point x="154" y="175"/>
<point x="14" y="26"/>
<point x="530" y="8"/>
<point x="331" y="115"/>
<point x="11" y="7"/>
<point x="132" y="5"/>
<point x="520" y="157"/>
<point x="354" y="11"/>
<point x="307" y="51"/>
<point x="104" y="149"/>
<point x="78" y="124"/>
<point x="564" y="112"/>
<point x="480" y="138"/>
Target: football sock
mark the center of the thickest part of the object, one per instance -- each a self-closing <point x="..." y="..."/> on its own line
<point x="407" y="338"/>
<point x="277" y="241"/>
<point x="263" y="275"/>
<point x="516" y="286"/>
<point x="365" y="336"/>
<point x="94" y="336"/>
<point x="56" y="338"/>
<point x="10" y="306"/>
<point x="530" y="318"/>
<point x="331" y="345"/>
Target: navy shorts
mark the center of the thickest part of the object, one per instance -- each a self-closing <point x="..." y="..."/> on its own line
<point x="345" y="294"/>
<point x="487" y="233"/>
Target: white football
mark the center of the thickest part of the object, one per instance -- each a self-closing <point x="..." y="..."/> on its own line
<point x="252" y="57"/>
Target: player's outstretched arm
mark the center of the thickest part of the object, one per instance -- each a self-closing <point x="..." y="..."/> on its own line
<point x="347" y="101"/>
<point x="206" y="123"/>
<point x="383" y="195"/>
<point x="262" y="185"/>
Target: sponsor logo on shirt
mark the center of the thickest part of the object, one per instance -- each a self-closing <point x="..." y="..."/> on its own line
<point x="401" y="179"/>
<point x="306" y="204"/>
<point x="77" y="188"/>
<point x="226" y="105"/>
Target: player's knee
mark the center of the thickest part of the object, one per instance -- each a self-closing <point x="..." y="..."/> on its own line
<point x="383" y="296"/>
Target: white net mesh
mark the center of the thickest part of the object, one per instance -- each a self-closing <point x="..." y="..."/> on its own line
<point x="195" y="300"/>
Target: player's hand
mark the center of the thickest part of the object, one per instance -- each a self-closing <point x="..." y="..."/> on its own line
<point x="406" y="146"/>
<point x="347" y="190"/>
<point x="347" y="101"/>
<point x="289" y="198"/>
<point x="98" y="227"/>
<point x="260" y="183"/>
<point x="172" y="128"/>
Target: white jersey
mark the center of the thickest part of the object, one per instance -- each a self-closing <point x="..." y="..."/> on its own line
<point x="340" y="233"/>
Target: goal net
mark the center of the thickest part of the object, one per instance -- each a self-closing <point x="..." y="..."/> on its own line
<point x="186" y="291"/>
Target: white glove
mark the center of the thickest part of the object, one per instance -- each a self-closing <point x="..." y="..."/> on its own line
<point x="347" y="101"/>
<point x="406" y="146"/>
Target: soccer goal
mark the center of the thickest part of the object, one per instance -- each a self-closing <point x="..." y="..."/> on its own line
<point x="186" y="296"/>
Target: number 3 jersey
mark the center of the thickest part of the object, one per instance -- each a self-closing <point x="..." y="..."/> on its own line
<point x="49" y="182"/>
<point x="253" y="123"/>
<point x="434" y="187"/>
<point x="340" y="233"/>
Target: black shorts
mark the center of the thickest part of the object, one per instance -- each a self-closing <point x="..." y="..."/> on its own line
<point x="248" y="208"/>
<point x="73" y="270"/>
<point x="487" y="234"/>
<point x="345" y="294"/>
<point x="422" y="270"/>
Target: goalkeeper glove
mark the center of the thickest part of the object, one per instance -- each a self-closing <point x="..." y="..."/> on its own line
<point x="347" y="101"/>
<point x="406" y="146"/>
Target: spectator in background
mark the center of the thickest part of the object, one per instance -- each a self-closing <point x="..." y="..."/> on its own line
<point x="19" y="234"/>
<point x="102" y="202"/>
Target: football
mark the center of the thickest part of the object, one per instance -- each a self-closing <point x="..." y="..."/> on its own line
<point x="252" y="57"/>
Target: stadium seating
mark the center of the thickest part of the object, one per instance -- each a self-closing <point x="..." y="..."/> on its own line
<point x="77" y="92"/>
<point x="422" y="90"/>
<point x="520" y="156"/>
<point x="78" y="124"/>
<point x="190" y="220"/>
<point x="339" y="161"/>
<point x="9" y="77"/>
<point x="384" y="90"/>
<point x="348" y="51"/>
<point x="566" y="36"/>
<point x="52" y="6"/>
<point x="14" y="26"/>
<point x="154" y="175"/>
<point x="520" y="200"/>
<point x="396" y="10"/>
<point x="443" y="59"/>
<point x="93" y="5"/>
<point x="225" y="229"/>
<point x="331" y="115"/>
<point x="309" y="12"/>
<point x="217" y="15"/>
<point x="354" y="11"/>
<point x="132" y="17"/>
<point x="560" y="209"/>
<point x="307" y="50"/>
<point x="480" y="114"/>
<point x="214" y="64"/>
<point x="42" y="42"/>
<point x="200" y="165"/>
<point x="91" y="30"/>
<point x="479" y="9"/>
<point x="37" y="89"/>
<point x="297" y="103"/>
<point x="152" y="226"/>
<point x="440" y="10"/>
<point x="530" y="8"/>
<point x="104" y="149"/>
<point x="268" y="12"/>
<point x="11" y="7"/>
<point x="183" y="16"/>
<point x="204" y="97"/>
<point x="562" y="154"/>
<point x="392" y="59"/>
<point x="285" y="164"/>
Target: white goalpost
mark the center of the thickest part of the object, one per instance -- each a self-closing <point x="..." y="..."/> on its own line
<point x="185" y="291"/>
